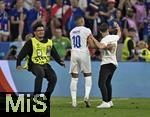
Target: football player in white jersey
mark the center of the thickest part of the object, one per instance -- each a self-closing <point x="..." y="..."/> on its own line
<point x="81" y="37"/>
<point x="108" y="65"/>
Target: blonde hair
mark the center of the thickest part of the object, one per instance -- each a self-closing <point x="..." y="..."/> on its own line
<point x="142" y="44"/>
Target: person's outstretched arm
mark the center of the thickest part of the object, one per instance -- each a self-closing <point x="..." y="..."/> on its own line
<point x="27" y="48"/>
<point x="118" y="29"/>
<point x="56" y="56"/>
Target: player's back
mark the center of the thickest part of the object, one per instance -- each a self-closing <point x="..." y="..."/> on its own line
<point x="79" y="36"/>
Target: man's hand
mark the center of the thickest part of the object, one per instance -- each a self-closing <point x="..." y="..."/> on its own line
<point x="118" y="29"/>
<point x="110" y="46"/>
<point x="19" y="68"/>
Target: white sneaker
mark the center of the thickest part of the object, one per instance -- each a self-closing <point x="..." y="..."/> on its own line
<point x="104" y="105"/>
<point x="74" y="103"/>
<point x="111" y="103"/>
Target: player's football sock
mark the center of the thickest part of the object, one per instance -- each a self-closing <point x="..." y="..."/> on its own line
<point x="74" y="103"/>
<point x="88" y="85"/>
<point x="73" y="89"/>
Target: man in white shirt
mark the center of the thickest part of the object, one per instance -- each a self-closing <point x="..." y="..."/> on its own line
<point x="108" y="65"/>
<point x="81" y="37"/>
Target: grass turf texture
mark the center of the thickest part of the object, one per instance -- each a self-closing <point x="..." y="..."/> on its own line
<point x="123" y="107"/>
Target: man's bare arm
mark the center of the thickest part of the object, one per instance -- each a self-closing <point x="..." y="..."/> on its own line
<point x="93" y="43"/>
<point x="118" y="29"/>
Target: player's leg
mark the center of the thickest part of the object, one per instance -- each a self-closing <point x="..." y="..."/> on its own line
<point x="73" y="88"/>
<point x="74" y="69"/>
<point x="86" y="68"/>
<point x="88" y="86"/>
<point x="52" y="79"/>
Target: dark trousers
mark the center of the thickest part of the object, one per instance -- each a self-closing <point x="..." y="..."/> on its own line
<point x="44" y="71"/>
<point x="104" y="83"/>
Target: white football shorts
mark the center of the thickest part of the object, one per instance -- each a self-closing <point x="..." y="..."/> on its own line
<point x="80" y="61"/>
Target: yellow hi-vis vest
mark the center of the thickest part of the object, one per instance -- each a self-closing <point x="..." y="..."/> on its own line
<point x="146" y="56"/>
<point x="41" y="52"/>
<point x="125" y="51"/>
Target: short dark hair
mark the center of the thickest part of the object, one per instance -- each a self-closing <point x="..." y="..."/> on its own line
<point x="13" y="47"/>
<point x="104" y="27"/>
<point x="77" y="18"/>
<point x="35" y="26"/>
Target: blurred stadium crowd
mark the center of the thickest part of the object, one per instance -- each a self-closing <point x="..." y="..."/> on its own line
<point x="18" y="16"/>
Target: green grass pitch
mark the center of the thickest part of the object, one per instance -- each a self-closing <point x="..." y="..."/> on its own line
<point x="123" y="107"/>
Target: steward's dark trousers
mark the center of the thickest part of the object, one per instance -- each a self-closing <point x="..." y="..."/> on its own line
<point x="104" y="83"/>
<point x="44" y="71"/>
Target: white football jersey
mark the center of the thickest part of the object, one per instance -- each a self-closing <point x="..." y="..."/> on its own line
<point x="79" y="36"/>
<point x="110" y="56"/>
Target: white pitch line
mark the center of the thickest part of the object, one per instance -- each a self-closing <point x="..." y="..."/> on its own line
<point x="97" y="100"/>
<point x="83" y="101"/>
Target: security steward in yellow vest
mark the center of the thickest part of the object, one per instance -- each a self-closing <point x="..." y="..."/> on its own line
<point x="144" y="55"/>
<point x="38" y="50"/>
<point x="129" y="46"/>
<point x="143" y="51"/>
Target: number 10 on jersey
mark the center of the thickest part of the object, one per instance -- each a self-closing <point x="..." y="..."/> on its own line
<point x="76" y="41"/>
